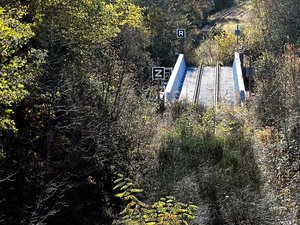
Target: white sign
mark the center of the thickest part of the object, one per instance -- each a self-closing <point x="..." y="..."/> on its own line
<point x="158" y="73"/>
<point x="180" y="33"/>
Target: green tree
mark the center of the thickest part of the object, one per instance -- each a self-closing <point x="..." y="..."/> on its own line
<point x="278" y="22"/>
<point x="163" y="18"/>
<point x="65" y="125"/>
<point x="19" y="65"/>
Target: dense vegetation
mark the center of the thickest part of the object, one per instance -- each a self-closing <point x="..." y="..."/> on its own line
<point x="78" y="107"/>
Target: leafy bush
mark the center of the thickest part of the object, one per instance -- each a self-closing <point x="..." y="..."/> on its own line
<point x="219" y="48"/>
<point x="225" y="46"/>
<point x="207" y="52"/>
<point x="166" y="211"/>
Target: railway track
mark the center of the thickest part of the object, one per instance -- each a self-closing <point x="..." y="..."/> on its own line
<point x="198" y="84"/>
<point x="208" y="85"/>
<point x="217" y="85"/>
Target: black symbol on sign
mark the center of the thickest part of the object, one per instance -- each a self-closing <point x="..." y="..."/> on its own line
<point x="158" y="73"/>
<point x="180" y="33"/>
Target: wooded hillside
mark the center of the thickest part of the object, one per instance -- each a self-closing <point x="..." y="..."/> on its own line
<point x="85" y="141"/>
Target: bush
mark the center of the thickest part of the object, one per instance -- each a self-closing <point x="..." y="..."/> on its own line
<point x="225" y="47"/>
<point x="207" y="53"/>
<point x="221" y="4"/>
<point x="185" y="148"/>
<point x="166" y="211"/>
<point x="220" y="48"/>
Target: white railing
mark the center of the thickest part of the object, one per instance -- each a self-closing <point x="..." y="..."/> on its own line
<point x="238" y="78"/>
<point x="172" y="90"/>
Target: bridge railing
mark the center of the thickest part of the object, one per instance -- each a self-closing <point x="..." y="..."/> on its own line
<point x="172" y="90"/>
<point x="238" y="78"/>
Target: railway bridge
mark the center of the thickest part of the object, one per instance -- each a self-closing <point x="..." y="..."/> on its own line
<point x="206" y="85"/>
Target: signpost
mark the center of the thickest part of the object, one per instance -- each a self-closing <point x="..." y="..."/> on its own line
<point x="161" y="75"/>
<point x="237" y="33"/>
<point x="181" y="34"/>
<point x="158" y="74"/>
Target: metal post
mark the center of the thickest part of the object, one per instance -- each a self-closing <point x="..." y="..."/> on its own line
<point x="237" y="36"/>
<point x="182" y="45"/>
<point x="158" y="84"/>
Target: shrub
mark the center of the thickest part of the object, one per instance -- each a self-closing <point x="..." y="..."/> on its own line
<point x="166" y="211"/>
<point x="185" y="148"/>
